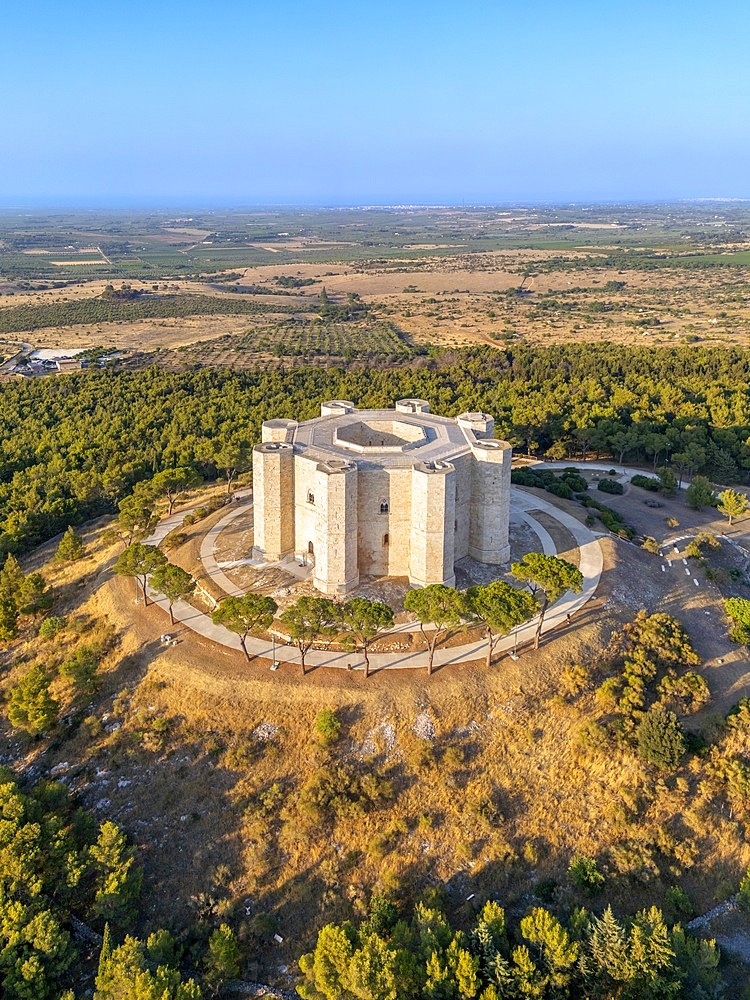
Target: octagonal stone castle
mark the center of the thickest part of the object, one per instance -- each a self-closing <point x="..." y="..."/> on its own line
<point x="399" y="492"/>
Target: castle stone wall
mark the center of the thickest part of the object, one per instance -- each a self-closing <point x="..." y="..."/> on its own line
<point x="382" y="493"/>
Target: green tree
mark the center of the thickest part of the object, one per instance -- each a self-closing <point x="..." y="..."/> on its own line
<point x="553" y="950"/>
<point x="171" y="484"/>
<point x="31" y="706"/>
<point x="139" y="560"/>
<point x="223" y="958"/>
<point x="117" y="877"/>
<point x="8" y="618"/>
<point x="375" y="971"/>
<point x="135" y="520"/>
<point x="245" y="615"/>
<point x="439" y="606"/>
<point x="128" y="972"/>
<point x="700" y="493"/>
<point x="661" y="739"/>
<point x="585" y="875"/>
<point x="550" y="576"/>
<point x="80" y="668"/>
<point x="12" y="578"/>
<point x="174" y="582"/>
<point x="326" y="969"/>
<point x="653" y="974"/>
<point x="732" y="504"/>
<point x="71" y="546"/>
<point x="500" y="608"/>
<point x="19" y="595"/>
<point x="35" y="952"/>
<point x="33" y="595"/>
<point x="232" y="458"/>
<point x="607" y="958"/>
<point x="364" y="621"/>
<point x="309" y="620"/>
<point x="738" y="609"/>
<point x="668" y="481"/>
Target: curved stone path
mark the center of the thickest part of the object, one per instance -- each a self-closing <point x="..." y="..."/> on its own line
<point x="523" y="506"/>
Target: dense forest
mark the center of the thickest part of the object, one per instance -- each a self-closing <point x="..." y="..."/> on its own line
<point x="71" y="448"/>
<point x="387" y="958"/>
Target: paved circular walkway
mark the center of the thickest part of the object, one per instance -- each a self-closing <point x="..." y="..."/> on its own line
<point x="523" y="506"/>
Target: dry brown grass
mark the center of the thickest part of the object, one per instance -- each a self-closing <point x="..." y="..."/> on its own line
<point x="498" y="801"/>
<point x="464" y="310"/>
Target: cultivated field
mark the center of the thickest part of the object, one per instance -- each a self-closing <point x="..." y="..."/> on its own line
<point x="442" y="278"/>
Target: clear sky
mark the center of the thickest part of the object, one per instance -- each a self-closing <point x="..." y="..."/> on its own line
<point x="248" y="102"/>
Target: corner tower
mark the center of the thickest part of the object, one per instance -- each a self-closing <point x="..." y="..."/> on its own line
<point x="489" y="507"/>
<point x="273" y="499"/>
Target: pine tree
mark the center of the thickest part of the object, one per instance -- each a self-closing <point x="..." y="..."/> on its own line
<point x="552" y="943"/>
<point x="732" y="504"/>
<point x="31" y="706"/>
<point x="700" y="493"/>
<point x="12" y="578"/>
<point x="606" y="953"/>
<point x="223" y="958"/>
<point x="71" y="546"/>
<point x="118" y="877"/>
<point x="8" y="618"/>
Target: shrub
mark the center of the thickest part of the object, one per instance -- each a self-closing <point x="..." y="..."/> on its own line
<point x="585" y="875"/>
<point x="610" y="486"/>
<point x="327" y="726"/>
<point x="738" y="609"/>
<point x="661" y="739"/>
<point x="51" y="626"/>
<point x="576" y="482"/>
<point x="174" y="539"/>
<point x="594" y="736"/>
<point x="574" y="678"/>
<point x="678" y="901"/>
<point x="560" y="489"/>
<point x="646" y="483"/>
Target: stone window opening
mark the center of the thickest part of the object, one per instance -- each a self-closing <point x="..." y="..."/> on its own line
<point x="384" y="507"/>
<point x="386" y="540"/>
<point x="310" y="497"/>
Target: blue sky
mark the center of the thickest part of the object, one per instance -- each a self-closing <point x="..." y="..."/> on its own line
<point x="374" y="103"/>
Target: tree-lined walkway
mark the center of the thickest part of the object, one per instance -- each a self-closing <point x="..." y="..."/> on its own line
<point x="523" y="507"/>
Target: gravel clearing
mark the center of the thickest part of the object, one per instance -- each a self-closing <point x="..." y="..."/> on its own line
<point x="265" y="731"/>
<point x="424" y="727"/>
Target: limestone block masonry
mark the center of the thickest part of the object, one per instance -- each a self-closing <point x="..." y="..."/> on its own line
<point x="404" y="492"/>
